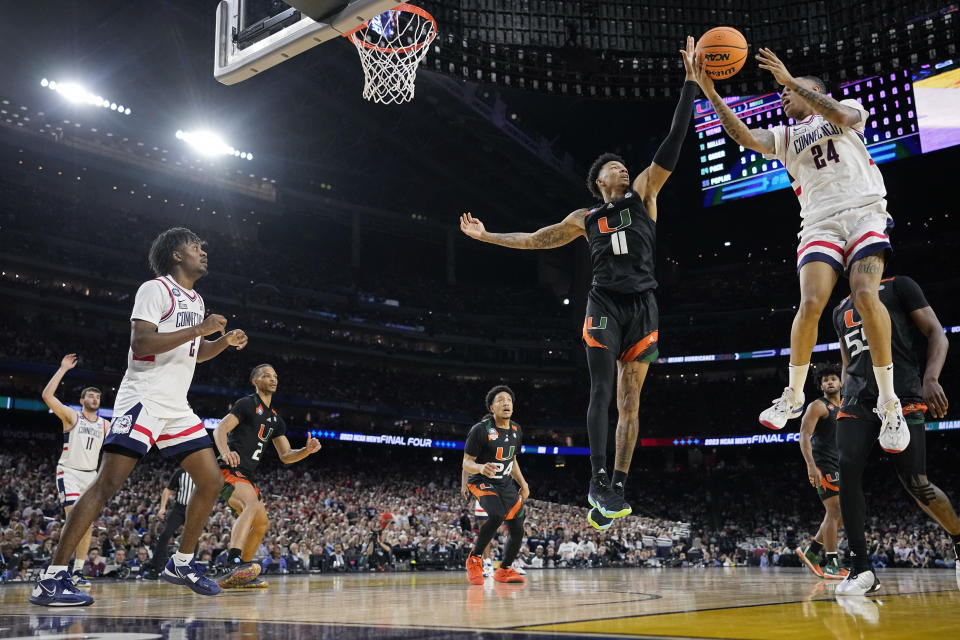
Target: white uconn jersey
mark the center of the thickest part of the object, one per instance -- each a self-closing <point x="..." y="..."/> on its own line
<point x="160" y="382"/>
<point x="81" y="445"/>
<point x="830" y="168"/>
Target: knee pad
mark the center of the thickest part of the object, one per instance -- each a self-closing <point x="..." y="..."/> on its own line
<point x="922" y="490"/>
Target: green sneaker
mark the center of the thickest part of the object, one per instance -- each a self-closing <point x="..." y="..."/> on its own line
<point x="810" y="559"/>
<point x="833" y="571"/>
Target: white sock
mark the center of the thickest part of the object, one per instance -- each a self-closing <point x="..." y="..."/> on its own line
<point x="182" y="559"/>
<point x="798" y="377"/>
<point x="884" y="376"/>
<point x="54" y="569"/>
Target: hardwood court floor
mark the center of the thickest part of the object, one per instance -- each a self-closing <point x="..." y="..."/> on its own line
<point x="650" y="603"/>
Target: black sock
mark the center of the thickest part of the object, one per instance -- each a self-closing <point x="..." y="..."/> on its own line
<point x="833" y="557"/>
<point x="598" y="463"/>
<point x="860" y="563"/>
<point x="234" y="556"/>
<point x="515" y="528"/>
<point x="815" y="546"/>
<point x="619" y="481"/>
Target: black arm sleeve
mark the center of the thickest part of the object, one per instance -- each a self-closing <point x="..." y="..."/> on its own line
<point x="669" y="150"/>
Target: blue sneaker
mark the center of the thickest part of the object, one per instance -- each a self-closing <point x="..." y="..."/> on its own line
<point x="190" y="575"/>
<point x="79" y="581"/>
<point x="59" y="591"/>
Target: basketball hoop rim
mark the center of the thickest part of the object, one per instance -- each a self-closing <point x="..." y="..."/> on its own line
<point x="409" y="8"/>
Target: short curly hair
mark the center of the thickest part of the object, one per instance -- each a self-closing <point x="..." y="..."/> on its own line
<point x="500" y="388"/>
<point x="818" y="81"/>
<point x="595" y="171"/>
<point x="161" y="251"/>
<point x="825" y="370"/>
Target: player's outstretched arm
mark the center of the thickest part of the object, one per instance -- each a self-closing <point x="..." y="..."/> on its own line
<point x="834" y="112"/>
<point x="649" y="182"/>
<point x="759" y="140"/>
<point x="288" y="455"/>
<point x="815" y="412"/>
<point x="555" y="235"/>
<point x="937" y="344"/>
<point x="67" y="415"/>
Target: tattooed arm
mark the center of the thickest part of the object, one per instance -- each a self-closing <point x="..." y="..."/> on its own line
<point x="834" y="112"/>
<point x="555" y="235"/>
<point x="760" y="140"/>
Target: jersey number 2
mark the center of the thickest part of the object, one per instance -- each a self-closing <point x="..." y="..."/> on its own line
<point x="817" y="152"/>
<point x="193" y="346"/>
<point x="256" y="454"/>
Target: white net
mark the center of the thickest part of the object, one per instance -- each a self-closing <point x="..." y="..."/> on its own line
<point x="391" y="45"/>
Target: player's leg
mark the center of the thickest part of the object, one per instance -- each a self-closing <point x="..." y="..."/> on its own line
<point x="496" y="512"/>
<point x="83" y="548"/>
<point x="54" y="585"/>
<point x="855" y="439"/>
<point x="829" y="529"/>
<point x="911" y="469"/>
<point x="817" y="279"/>
<point x="510" y="497"/>
<point x="161" y="549"/>
<point x="247" y="533"/>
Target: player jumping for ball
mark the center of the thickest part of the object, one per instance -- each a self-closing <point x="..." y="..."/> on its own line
<point x="620" y="324"/>
<point x="843" y="227"/>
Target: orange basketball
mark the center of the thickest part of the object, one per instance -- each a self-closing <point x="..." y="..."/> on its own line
<point x="724" y="50"/>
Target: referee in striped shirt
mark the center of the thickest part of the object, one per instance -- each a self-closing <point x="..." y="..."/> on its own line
<point x="182" y="487"/>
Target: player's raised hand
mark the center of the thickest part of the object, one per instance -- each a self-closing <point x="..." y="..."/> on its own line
<point x="689" y="56"/>
<point x="935" y="398"/>
<point x="213" y="323"/>
<point x="231" y="459"/>
<point x="236" y="338"/>
<point x="471" y="226"/>
<point x="313" y="445"/>
<point x="699" y="69"/>
<point x="69" y="361"/>
<point x="814" y="476"/>
<point x="489" y="470"/>
<point x="768" y="60"/>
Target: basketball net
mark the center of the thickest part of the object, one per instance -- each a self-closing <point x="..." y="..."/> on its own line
<point x="391" y="45"/>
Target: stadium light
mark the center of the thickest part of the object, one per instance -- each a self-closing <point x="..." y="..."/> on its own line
<point x="208" y="143"/>
<point x="76" y="94"/>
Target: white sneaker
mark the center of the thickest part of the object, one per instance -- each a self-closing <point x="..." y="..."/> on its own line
<point x="487" y="567"/>
<point x="894" y="432"/>
<point x="787" y="406"/>
<point x="858" y="584"/>
<point x="518" y="567"/>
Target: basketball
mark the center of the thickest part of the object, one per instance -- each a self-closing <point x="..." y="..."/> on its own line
<point x="724" y="50"/>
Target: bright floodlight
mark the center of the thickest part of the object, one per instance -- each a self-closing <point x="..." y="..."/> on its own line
<point x="208" y="143"/>
<point x="76" y="94"/>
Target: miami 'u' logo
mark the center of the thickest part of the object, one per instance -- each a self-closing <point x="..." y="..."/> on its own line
<point x="500" y="453"/>
<point x="590" y="326"/>
<point x="260" y="435"/>
<point x="624" y="222"/>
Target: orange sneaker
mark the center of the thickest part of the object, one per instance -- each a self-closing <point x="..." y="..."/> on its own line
<point x="475" y="569"/>
<point x="507" y="575"/>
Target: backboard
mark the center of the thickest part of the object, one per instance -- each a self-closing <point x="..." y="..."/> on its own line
<point x="255" y="35"/>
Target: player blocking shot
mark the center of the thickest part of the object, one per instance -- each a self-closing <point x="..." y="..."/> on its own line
<point x="920" y="350"/>
<point x="83" y="434"/>
<point x="495" y="480"/>
<point x="843" y="227"/>
<point x="240" y="437"/>
<point x="620" y="328"/>
<point x="818" y="445"/>
<point x="167" y="340"/>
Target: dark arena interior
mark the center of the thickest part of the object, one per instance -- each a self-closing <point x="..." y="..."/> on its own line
<point x="334" y="250"/>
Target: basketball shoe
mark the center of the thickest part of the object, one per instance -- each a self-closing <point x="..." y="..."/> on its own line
<point x="79" y="581"/>
<point x="833" y="571"/>
<point x="487" y="567"/>
<point x="507" y="575"/>
<point x="810" y="560"/>
<point x="58" y="591"/>
<point x="241" y="573"/>
<point x="518" y="567"/>
<point x="190" y="575"/>
<point x="788" y="405"/>
<point x="894" y="433"/>
<point x="474" y="569"/>
<point x="858" y="584"/>
<point x="256" y="583"/>
<point x="604" y="499"/>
